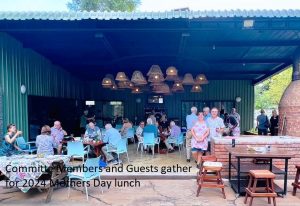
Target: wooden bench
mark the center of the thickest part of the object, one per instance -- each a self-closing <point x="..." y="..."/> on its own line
<point x="296" y="183"/>
<point x="254" y="191"/>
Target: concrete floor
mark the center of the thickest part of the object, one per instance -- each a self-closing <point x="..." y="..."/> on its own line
<point x="161" y="190"/>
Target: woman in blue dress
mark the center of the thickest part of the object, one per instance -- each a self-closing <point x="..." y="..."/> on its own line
<point x="9" y="146"/>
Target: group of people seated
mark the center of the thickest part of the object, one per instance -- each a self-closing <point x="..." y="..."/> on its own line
<point x="46" y="142"/>
<point x="201" y="127"/>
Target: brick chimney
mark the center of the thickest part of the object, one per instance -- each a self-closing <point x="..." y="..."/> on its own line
<point x="289" y="106"/>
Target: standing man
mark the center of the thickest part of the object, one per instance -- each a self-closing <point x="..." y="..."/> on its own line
<point x="263" y="123"/>
<point x="190" y="121"/>
<point x="58" y="134"/>
<point x="206" y="113"/>
<point x="216" y="126"/>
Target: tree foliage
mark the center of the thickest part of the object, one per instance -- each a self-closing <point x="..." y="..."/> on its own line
<point x="103" y="5"/>
<point x="269" y="92"/>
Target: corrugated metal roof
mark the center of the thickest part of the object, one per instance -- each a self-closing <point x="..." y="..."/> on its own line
<point x="6" y="15"/>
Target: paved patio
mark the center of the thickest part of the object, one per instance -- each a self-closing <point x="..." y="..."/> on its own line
<point x="150" y="193"/>
<point x="154" y="189"/>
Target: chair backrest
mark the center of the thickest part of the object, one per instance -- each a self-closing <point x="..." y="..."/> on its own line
<point x="118" y="126"/>
<point x="91" y="167"/>
<point x="122" y="146"/>
<point x="148" y="138"/>
<point x="75" y="148"/>
<point x="130" y="133"/>
<point x="21" y="143"/>
<point x="180" y="139"/>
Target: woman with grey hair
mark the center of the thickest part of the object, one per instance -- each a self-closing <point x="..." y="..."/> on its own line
<point x="173" y="136"/>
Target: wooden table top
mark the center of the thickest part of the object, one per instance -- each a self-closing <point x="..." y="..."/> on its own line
<point x="242" y="151"/>
<point x="92" y="143"/>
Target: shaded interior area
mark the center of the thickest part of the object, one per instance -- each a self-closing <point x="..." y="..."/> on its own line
<point x="71" y="55"/>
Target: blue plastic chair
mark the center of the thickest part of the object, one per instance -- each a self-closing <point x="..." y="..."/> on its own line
<point x="26" y="146"/>
<point x="88" y="175"/>
<point x="149" y="140"/>
<point x="121" y="148"/>
<point x="179" y="142"/>
<point x="130" y="134"/>
<point x="77" y="150"/>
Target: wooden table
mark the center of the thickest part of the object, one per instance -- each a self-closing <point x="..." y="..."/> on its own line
<point x="97" y="148"/>
<point x="49" y="171"/>
<point x="241" y="152"/>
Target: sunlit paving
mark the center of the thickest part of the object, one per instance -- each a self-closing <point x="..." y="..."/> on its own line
<point x="150" y="103"/>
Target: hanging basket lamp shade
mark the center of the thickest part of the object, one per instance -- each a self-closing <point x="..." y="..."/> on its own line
<point x="114" y="87"/>
<point x="156" y="78"/>
<point x="196" y="88"/>
<point x="162" y="89"/>
<point x="107" y="82"/>
<point x="138" y="78"/>
<point x="121" y="76"/>
<point x="188" y="79"/>
<point x="201" y="79"/>
<point x="172" y="73"/>
<point x="155" y="70"/>
<point x="177" y="87"/>
<point x="136" y="90"/>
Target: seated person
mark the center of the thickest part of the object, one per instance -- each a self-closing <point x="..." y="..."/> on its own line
<point x="173" y="136"/>
<point x="93" y="132"/>
<point x="151" y="128"/>
<point x="112" y="138"/>
<point x="45" y="142"/>
<point x="126" y="125"/>
<point x="58" y="134"/>
<point x="9" y="146"/>
<point x="139" y="132"/>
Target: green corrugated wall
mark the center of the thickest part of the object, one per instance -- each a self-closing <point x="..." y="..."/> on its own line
<point x="24" y="66"/>
<point x="226" y="90"/>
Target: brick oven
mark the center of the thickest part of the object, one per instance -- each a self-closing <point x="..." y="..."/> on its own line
<point x="289" y="107"/>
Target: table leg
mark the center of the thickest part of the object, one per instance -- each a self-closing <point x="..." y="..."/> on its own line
<point x="285" y="175"/>
<point x="229" y="169"/>
<point x="271" y="163"/>
<point x="238" y="174"/>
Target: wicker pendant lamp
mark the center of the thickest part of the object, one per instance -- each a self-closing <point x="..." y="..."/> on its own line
<point x="136" y="90"/>
<point x="107" y="82"/>
<point x="155" y="70"/>
<point x="121" y="76"/>
<point x="196" y="88"/>
<point x="188" y="79"/>
<point x="172" y="73"/>
<point x="177" y="87"/>
<point x="201" y="79"/>
<point x="138" y="78"/>
<point x="114" y="87"/>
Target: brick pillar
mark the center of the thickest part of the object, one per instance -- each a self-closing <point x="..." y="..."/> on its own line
<point x="289" y="106"/>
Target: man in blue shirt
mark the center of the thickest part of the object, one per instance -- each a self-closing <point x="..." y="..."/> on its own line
<point x="190" y="121"/>
<point x="112" y="138"/>
<point x="207" y="114"/>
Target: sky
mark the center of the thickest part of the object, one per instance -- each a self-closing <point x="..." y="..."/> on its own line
<point x="157" y="5"/>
